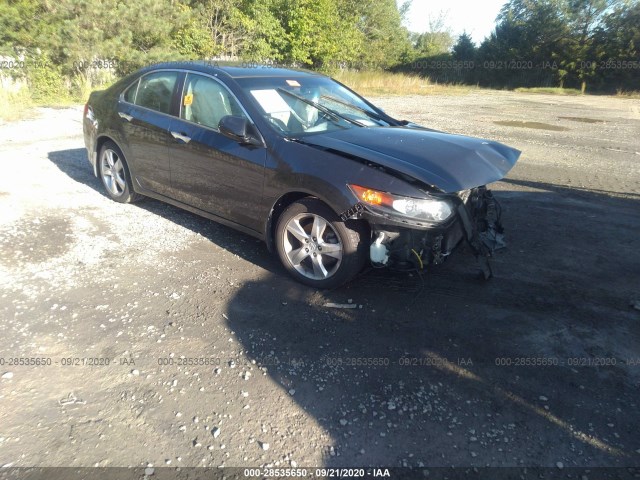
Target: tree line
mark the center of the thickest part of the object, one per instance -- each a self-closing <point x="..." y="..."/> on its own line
<point x="589" y="44"/>
<point x="311" y="33"/>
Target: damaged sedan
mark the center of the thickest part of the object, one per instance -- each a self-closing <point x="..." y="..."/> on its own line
<point x="328" y="180"/>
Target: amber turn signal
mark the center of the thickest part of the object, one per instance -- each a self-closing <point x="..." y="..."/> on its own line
<point x="371" y="197"/>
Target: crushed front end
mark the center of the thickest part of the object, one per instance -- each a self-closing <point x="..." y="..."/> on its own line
<point x="408" y="244"/>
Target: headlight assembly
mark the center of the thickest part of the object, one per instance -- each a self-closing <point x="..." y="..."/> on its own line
<point x="432" y="210"/>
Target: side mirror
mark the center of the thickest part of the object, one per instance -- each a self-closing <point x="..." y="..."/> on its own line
<point x="239" y="129"/>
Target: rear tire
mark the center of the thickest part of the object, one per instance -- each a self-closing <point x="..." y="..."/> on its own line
<point x="113" y="172"/>
<point x="317" y="248"/>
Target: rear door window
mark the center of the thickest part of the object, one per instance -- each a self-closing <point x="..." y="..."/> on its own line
<point x="155" y="91"/>
<point x="130" y="93"/>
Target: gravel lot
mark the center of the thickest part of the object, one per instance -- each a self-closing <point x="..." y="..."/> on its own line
<point x="538" y="367"/>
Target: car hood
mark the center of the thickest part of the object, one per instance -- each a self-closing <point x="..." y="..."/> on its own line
<point x="448" y="162"/>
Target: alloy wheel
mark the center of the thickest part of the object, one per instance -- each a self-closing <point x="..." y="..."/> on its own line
<point x="112" y="170"/>
<point x="312" y="246"/>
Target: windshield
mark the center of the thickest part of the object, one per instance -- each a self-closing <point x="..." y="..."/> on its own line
<point x="307" y="104"/>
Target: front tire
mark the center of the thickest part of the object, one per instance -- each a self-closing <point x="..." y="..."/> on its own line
<point x="317" y="248"/>
<point x="114" y="174"/>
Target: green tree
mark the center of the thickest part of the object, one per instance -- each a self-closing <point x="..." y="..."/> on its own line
<point x="464" y="49"/>
<point x="19" y="19"/>
<point x="528" y="31"/>
<point x="584" y="18"/>
<point x="316" y="34"/>
<point x="261" y="31"/>
<point x="383" y="40"/>
<point x="72" y="33"/>
<point x="437" y="40"/>
<point x="617" y="48"/>
<point x="193" y="39"/>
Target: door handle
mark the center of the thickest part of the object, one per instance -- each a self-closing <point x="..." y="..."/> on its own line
<point x="180" y="136"/>
<point x="126" y="116"/>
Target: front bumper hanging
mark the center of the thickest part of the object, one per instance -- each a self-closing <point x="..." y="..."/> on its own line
<point x="480" y="217"/>
<point x="476" y="224"/>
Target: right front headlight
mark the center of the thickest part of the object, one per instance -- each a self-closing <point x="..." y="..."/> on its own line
<point x="432" y="210"/>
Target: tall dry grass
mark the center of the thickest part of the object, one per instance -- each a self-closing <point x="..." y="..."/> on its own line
<point x="634" y="94"/>
<point x="376" y="83"/>
<point x="19" y="97"/>
<point x="15" y="100"/>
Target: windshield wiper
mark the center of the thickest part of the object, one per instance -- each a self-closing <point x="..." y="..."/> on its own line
<point x="351" y="105"/>
<point x="322" y="108"/>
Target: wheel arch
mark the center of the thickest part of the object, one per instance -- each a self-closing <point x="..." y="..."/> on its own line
<point x="100" y="141"/>
<point x="132" y="196"/>
<point x="277" y="208"/>
<point x="281" y="205"/>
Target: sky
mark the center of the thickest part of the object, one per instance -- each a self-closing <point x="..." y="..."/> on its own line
<point x="477" y="17"/>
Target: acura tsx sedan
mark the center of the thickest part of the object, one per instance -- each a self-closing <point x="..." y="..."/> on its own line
<point x="328" y="180"/>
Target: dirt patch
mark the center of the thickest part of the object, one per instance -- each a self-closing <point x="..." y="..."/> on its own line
<point x="582" y="119"/>
<point x="535" y="125"/>
<point x="35" y="239"/>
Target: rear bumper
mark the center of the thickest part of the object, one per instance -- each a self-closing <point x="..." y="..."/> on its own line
<point x="92" y="156"/>
<point x="476" y="224"/>
<point x="89" y="131"/>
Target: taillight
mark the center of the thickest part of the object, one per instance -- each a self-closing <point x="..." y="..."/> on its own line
<point x="86" y="109"/>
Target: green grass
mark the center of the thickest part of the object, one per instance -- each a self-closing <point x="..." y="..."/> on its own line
<point x="375" y="83"/>
<point x="550" y="90"/>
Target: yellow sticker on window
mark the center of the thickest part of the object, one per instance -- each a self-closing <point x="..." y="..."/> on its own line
<point x="293" y="83"/>
<point x="188" y="99"/>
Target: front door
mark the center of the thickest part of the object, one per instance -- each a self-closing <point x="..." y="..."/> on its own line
<point x="209" y="170"/>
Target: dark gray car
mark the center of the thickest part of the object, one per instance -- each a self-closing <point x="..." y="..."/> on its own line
<point x="327" y="179"/>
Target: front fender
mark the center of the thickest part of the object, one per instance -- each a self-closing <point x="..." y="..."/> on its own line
<point x="294" y="170"/>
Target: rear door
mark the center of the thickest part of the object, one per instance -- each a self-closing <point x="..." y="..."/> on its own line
<point x="145" y="108"/>
<point x="209" y="170"/>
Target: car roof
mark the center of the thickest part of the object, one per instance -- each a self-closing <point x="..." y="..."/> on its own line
<point x="234" y="69"/>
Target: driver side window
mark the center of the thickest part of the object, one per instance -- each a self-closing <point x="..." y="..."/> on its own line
<point x="205" y="101"/>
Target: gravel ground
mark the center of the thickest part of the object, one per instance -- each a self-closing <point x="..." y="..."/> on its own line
<point x="217" y="358"/>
